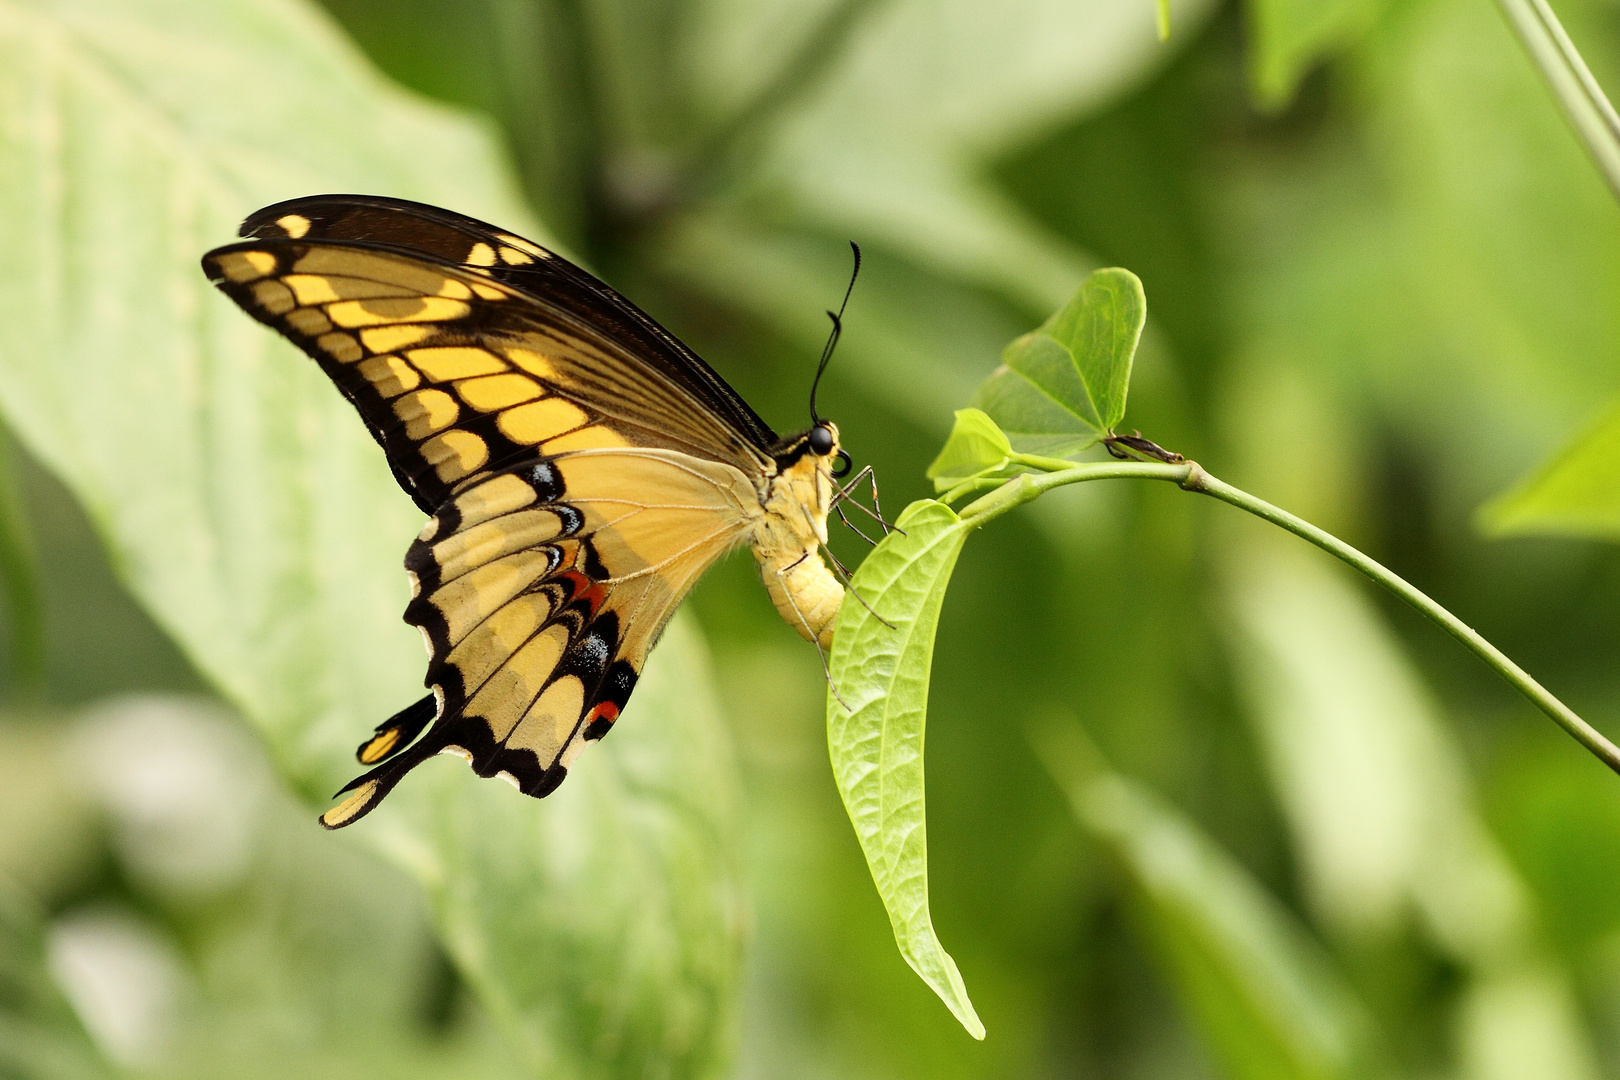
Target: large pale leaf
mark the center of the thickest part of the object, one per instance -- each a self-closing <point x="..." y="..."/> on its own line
<point x="241" y="499"/>
<point x="876" y="715"/>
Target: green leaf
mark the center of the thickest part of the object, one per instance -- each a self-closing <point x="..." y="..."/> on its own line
<point x="1575" y="494"/>
<point x="1061" y="388"/>
<point x="881" y="672"/>
<point x="1262" y="992"/>
<point x="1289" y="37"/>
<point x="246" y="507"/>
<point x="976" y="448"/>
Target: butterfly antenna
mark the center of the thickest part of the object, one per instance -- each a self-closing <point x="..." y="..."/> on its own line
<point x="837" y="331"/>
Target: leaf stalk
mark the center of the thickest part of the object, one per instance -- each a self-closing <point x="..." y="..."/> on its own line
<point x="1190" y="476"/>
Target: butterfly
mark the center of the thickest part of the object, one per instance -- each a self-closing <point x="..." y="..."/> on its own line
<point x="579" y="466"/>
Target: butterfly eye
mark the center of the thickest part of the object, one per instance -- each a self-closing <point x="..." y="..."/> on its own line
<point x="841" y="470"/>
<point x="821" y="441"/>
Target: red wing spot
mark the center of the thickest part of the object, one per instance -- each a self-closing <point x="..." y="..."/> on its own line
<point x="583" y="590"/>
<point x="600" y="719"/>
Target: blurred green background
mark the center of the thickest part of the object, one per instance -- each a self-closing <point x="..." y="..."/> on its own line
<point x="1383" y="285"/>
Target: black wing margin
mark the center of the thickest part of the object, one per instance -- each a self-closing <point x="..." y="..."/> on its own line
<point x="452" y="239"/>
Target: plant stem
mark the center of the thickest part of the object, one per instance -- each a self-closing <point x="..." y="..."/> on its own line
<point x="1571" y="82"/>
<point x="1191" y="477"/>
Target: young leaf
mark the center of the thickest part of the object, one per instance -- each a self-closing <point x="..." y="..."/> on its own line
<point x="1061" y="388"/>
<point x="881" y="671"/>
<point x="1260" y="989"/>
<point x="1576" y="494"/>
<point x="976" y="447"/>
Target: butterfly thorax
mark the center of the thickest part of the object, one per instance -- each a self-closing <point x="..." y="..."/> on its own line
<point x="786" y="538"/>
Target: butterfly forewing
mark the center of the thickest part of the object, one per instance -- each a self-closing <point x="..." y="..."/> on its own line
<point x="456" y="375"/>
<point x="448" y="238"/>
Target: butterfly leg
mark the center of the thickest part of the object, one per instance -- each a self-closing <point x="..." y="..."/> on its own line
<point x="849" y="584"/>
<point x="846" y="493"/>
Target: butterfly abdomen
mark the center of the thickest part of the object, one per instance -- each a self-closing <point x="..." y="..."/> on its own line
<point x="803" y="590"/>
<point x="785" y="540"/>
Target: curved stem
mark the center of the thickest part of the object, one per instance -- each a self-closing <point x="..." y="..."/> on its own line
<point x="1191" y="477"/>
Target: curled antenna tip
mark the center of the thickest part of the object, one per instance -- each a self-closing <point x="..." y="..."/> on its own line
<point x="837" y="330"/>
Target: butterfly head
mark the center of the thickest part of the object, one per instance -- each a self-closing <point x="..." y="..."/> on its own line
<point x="819" y="444"/>
<point x="822" y="441"/>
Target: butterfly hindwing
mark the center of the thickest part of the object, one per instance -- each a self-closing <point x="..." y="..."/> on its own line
<point x="540" y="592"/>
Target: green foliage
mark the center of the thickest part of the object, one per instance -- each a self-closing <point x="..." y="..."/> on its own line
<point x="1264" y="994"/>
<point x="1575" y="494"/>
<point x="877" y="707"/>
<point x="1290" y="37"/>
<point x="1376" y="306"/>
<point x="40" y="1038"/>
<point x="976" y="447"/>
<point x="1061" y="388"/>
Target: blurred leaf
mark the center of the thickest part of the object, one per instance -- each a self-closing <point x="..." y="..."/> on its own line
<point x="20" y="576"/>
<point x="1560" y="822"/>
<point x="889" y="146"/>
<point x="1360" y="762"/>
<point x="877" y="744"/>
<point x="1061" y="388"/>
<point x="1261" y="990"/>
<point x="913" y="341"/>
<point x="1575" y="494"/>
<point x="1524" y="1021"/>
<point x="604" y="927"/>
<point x="976" y="447"/>
<point x="245" y="504"/>
<point x="40" y="1037"/>
<point x="1382" y="810"/>
<point x="1289" y="37"/>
